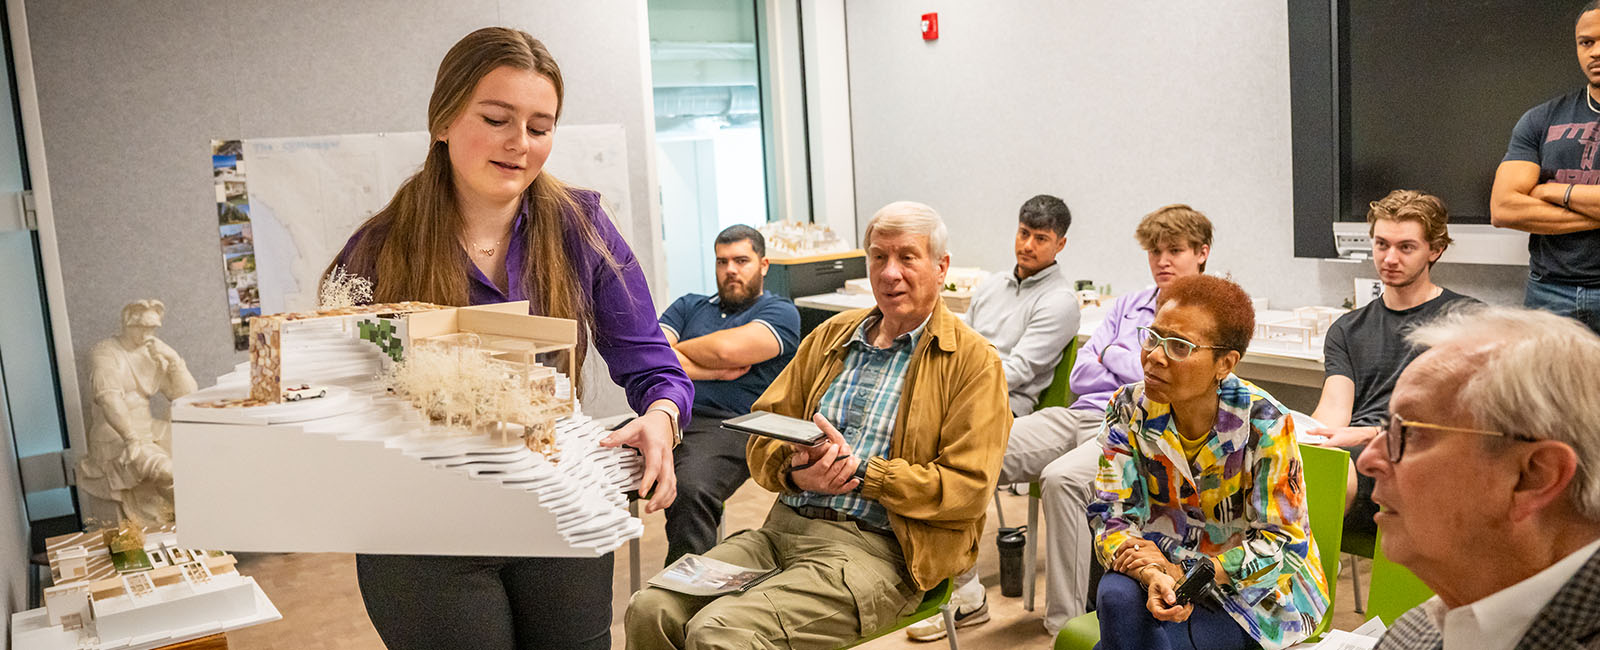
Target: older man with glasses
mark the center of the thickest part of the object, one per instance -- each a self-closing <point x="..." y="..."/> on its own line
<point x="1507" y="401"/>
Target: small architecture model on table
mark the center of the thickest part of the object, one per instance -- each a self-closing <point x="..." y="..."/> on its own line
<point x="1319" y="319"/>
<point x="1300" y="330"/>
<point x="109" y="592"/>
<point x="444" y="430"/>
<point x="800" y="239"/>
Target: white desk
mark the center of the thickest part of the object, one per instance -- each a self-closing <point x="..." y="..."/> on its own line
<point x="836" y="301"/>
<point x="1265" y="360"/>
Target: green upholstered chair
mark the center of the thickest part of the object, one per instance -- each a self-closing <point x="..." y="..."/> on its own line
<point x="1325" y="473"/>
<point x="1059" y="392"/>
<point x="936" y="601"/>
<point x="1395" y="589"/>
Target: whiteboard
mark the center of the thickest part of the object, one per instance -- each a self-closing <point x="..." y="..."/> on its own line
<point x="308" y="194"/>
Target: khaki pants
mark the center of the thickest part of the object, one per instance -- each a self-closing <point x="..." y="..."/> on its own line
<point x="838" y="584"/>
<point x="1060" y="448"/>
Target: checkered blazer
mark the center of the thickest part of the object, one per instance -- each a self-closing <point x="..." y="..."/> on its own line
<point x="1571" y="620"/>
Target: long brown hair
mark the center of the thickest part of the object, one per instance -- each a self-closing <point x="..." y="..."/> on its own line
<point x="411" y="247"/>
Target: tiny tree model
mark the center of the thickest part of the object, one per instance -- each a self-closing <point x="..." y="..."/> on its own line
<point x="341" y="289"/>
<point x="461" y="387"/>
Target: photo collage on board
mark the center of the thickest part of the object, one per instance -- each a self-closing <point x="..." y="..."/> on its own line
<point x="238" y="243"/>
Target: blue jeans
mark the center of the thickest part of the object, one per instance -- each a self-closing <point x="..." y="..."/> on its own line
<point x="1125" y="622"/>
<point x="1579" y="303"/>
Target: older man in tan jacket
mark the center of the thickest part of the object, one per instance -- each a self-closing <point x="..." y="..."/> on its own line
<point x="914" y="405"/>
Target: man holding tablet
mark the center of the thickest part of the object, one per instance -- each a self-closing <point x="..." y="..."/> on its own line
<point x="914" y="407"/>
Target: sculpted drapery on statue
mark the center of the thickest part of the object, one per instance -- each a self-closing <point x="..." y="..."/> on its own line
<point x="130" y="457"/>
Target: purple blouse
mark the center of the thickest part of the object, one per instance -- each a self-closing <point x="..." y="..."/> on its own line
<point x="1110" y="360"/>
<point x="625" y="330"/>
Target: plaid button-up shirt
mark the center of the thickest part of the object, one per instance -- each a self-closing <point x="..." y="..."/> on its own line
<point x="862" y="402"/>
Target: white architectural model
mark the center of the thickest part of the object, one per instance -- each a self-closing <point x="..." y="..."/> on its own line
<point x="151" y="594"/>
<point x="441" y="432"/>
<point x="1301" y="330"/>
<point x="800" y="239"/>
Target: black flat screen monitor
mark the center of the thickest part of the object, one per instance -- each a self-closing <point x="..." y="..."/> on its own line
<point x="1417" y="95"/>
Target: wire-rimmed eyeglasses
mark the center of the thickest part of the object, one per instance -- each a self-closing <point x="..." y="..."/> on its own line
<point x="1398" y="430"/>
<point x="1177" y="348"/>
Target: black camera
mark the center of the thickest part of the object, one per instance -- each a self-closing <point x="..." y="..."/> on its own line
<point x="1199" y="586"/>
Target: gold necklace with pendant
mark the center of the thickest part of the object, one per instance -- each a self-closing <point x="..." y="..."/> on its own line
<point x="484" y="251"/>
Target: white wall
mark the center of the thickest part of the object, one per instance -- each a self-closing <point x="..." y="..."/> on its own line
<point x="1118" y="108"/>
<point x="132" y="93"/>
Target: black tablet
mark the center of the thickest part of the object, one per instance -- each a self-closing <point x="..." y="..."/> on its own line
<point x="779" y="427"/>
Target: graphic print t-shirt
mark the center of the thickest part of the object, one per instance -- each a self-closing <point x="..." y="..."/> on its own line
<point x="1563" y="137"/>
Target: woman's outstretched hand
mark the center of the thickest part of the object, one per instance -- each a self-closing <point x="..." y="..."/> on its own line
<point x="653" y="436"/>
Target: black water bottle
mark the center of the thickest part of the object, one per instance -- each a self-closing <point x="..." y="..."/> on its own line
<point x="1011" y="542"/>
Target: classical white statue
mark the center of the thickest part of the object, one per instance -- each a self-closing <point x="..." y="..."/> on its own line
<point x="130" y="449"/>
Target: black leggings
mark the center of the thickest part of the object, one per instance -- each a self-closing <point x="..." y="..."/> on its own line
<point x="488" y="603"/>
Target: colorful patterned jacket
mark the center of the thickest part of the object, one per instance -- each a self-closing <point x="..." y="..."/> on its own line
<point x="1243" y="501"/>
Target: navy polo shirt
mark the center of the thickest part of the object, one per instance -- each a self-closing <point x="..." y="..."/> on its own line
<point x="697" y="315"/>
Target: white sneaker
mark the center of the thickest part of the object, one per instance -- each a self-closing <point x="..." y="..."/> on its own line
<point x="932" y="628"/>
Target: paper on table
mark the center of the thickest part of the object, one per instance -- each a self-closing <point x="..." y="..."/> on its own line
<point x="1374" y="628"/>
<point x="1362" y="638"/>
<point x="1342" y="640"/>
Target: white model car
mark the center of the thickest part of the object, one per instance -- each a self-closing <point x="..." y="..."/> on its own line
<point x="304" y="391"/>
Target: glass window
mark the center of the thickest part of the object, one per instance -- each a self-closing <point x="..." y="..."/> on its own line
<point x="710" y="67"/>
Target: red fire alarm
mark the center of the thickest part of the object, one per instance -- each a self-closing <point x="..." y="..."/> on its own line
<point x="930" y="27"/>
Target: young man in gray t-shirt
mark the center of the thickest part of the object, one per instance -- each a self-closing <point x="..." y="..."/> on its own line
<point x="1365" y="350"/>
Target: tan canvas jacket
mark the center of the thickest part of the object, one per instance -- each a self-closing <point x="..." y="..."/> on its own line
<point x="944" y="454"/>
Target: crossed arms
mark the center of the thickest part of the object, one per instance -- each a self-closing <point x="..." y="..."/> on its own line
<point x="1519" y="201"/>
<point x="725" y="354"/>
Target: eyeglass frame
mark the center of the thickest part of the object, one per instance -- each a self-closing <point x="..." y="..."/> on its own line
<point x="1396" y="430"/>
<point x="1146" y="332"/>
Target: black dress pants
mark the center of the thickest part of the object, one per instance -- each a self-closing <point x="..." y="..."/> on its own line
<point x="426" y="602"/>
<point x="710" y="466"/>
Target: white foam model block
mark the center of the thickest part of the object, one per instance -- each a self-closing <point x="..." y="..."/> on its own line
<point x="64" y="601"/>
<point x="373" y="480"/>
<point x="176" y="606"/>
<point x="221" y="610"/>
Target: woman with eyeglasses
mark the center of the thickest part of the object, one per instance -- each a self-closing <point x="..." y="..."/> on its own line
<point x="1202" y="467"/>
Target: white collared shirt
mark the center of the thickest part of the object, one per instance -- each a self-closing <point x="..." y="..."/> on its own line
<point x="1500" y="619"/>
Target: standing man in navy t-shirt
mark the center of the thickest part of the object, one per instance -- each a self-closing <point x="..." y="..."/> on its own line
<point x="1549" y="186"/>
<point x="733" y="345"/>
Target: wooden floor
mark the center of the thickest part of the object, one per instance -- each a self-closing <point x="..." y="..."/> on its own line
<point x="322" y="608"/>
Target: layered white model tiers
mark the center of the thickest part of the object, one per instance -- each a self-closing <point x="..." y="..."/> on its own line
<point x="359" y="471"/>
<point x="177" y="613"/>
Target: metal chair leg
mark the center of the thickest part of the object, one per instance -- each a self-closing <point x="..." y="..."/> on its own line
<point x="1030" y="552"/>
<point x="635" y="580"/>
<point x="999" y="512"/>
<point x="949" y="612"/>
<point x="1355" y="582"/>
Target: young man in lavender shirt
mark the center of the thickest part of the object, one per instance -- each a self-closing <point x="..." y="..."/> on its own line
<point x="1060" y="446"/>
